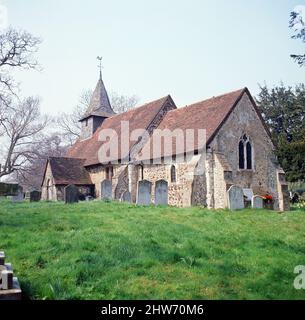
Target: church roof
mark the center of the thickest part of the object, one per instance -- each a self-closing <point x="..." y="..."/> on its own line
<point x="99" y="104"/>
<point x="138" y="118"/>
<point x="209" y="114"/>
<point x="68" y="171"/>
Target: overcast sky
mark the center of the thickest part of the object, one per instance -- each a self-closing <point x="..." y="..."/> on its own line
<point x="191" y="49"/>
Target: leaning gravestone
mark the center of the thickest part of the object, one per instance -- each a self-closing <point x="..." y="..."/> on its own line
<point x="161" y="193"/>
<point x="235" y="197"/>
<point x="106" y="190"/>
<point x="126" y="196"/>
<point x="71" y="194"/>
<point x="257" y="202"/>
<point x="144" y="193"/>
<point x="35" y="196"/>
<point x="20" y="195"/>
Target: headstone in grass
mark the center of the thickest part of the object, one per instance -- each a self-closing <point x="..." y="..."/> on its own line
<point x="20" y="195"/>
<point x="126" y="196"/>
<point x="106" y="190"/>
<point x="235" y="197"/>
<point x="257" y="202"/>
<point x="35" y="196"/>
<point x="144" y="193"/>
<point x="71" y="194"/>
<point x="161" y="193"/>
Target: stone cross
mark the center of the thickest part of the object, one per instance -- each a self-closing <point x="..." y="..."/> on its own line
<point x="161" y="193"/>
<point x="144" y="193"/>
<point x="235" y="197"/>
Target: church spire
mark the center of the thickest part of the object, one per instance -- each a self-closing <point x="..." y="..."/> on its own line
<point x="99" y="104"/>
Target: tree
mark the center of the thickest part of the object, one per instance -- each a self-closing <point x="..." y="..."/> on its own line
<point x="17" y="50"/>
<point x="22" y="128"/>
<point x="31" y="176"/>
<point x="297" y="23"/>
<point x="283" y="109"/>
<point x="69" y="122"/>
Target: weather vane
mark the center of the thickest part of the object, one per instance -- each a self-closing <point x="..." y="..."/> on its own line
<point x="100" y="65"/>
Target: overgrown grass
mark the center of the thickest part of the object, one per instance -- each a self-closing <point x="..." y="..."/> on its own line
<point x="118" y="251"/>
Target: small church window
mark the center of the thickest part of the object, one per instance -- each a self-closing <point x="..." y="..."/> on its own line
<point x="241" y="155"/>
<point x="173" y="174"/>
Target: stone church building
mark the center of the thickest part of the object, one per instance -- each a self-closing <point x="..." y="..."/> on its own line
<point x="237" y="151"/>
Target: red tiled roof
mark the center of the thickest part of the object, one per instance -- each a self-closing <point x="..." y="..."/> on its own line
<point x="138" y="118"/>
<point x="208" y="114"/>
<point x="68" y="171"/>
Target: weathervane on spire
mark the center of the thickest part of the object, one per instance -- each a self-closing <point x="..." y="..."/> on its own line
<point x="100" y="65"/>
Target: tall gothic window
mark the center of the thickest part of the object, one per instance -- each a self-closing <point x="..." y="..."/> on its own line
<point x="245" y="153"/>
<point x="173" y="174"/>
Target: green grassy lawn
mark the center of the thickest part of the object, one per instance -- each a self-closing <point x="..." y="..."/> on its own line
<point x="118" y="251"/>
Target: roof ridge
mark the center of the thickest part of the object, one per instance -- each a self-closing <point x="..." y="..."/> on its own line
<point x="139" y="107"/>
<point x="211" y="98"/>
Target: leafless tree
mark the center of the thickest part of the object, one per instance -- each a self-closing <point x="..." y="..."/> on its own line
<point x="31" y="177"/>
<point x="17" y="50"/>
<point x="22" y="126"/>
<point x="121" y="103"/>
<point x="69" y="122"/>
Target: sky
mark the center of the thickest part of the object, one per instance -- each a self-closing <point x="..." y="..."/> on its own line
<point x="190" y="49"/>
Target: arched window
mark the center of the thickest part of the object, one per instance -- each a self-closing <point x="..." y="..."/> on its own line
<point x="173" y="174"/>
<point x="245" y="153"/>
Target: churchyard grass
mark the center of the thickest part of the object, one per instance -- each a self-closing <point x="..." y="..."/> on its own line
<point x="104" y="250"/>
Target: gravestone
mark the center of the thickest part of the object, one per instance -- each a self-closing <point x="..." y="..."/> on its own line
<point x="235" y="197"/>
<point x="35" y="196"/>
<point x="144" y="193"/>
<point x="126" y="196"/>
<point x="71" y="194"/>
<point x="161" y="193"/>
<point x="20" y="195"/>
<point x="257" y="202"/>
<point x="106" y="190"/>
